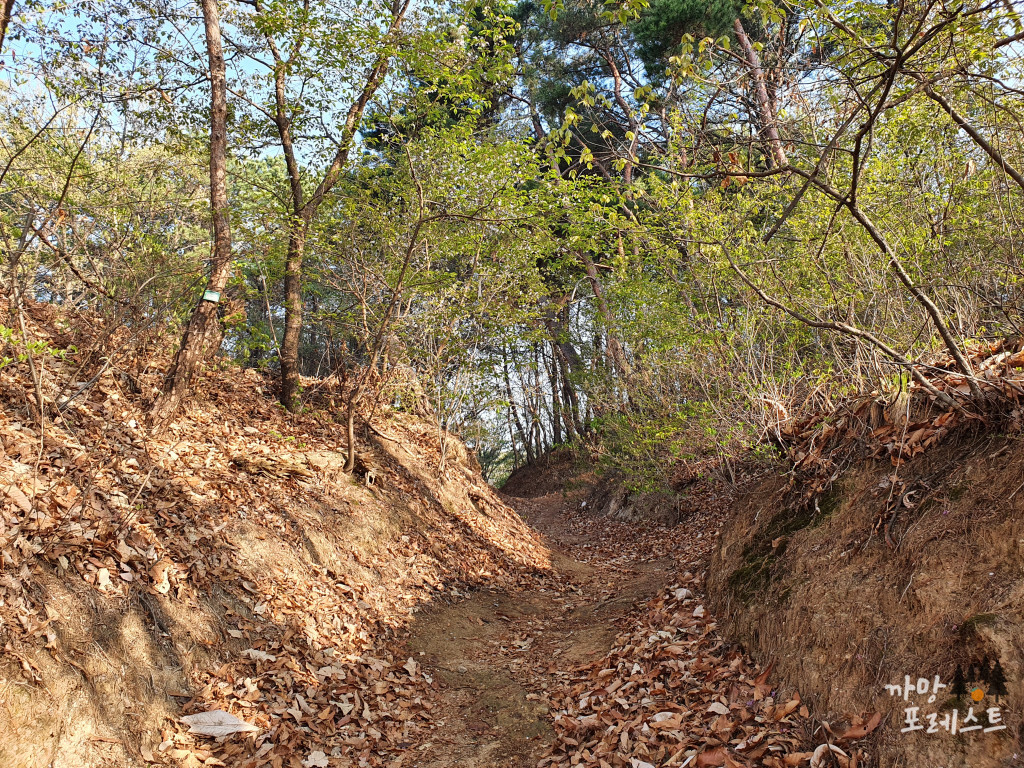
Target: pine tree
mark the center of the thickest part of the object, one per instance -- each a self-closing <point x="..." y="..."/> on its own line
<point x="984" y="672"/>
<point x="959" y="685"/>
<point x="997" y="681"/>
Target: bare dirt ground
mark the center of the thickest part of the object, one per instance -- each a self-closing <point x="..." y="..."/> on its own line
<point x="494" y="656"/>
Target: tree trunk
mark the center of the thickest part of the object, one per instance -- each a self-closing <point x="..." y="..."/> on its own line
<point x="613" y="349"/>
<point x="512" y="439"/>
<point x="5" y="19"/>
<point x="571" y="401"/>
<point x="556" y="404"/>
<point x="573" y="366"/>
<point x="537" y="407"/>
<point x="557" y="323"/>
<point x="203" y="335"/>
<point x="304" y="211"/>
<point x="514" y="412"/>
<point x="380" y="338"/>
<point x="350" y="431"/>
<point x="292" y="317"/>
<point x="764" y="104"/>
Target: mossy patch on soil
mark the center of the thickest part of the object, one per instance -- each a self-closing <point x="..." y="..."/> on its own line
<point x="841" y="610"/>
<point x="970" y="627"/>
<point x="762" y="555"/>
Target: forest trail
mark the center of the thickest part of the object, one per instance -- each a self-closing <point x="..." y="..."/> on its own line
<point x="495" y="656"/>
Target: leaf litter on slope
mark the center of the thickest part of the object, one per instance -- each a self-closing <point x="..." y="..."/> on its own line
<point x="305" y="653"/>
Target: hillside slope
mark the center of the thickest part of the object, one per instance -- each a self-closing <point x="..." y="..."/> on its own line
<point x="226" y="564"/>
<point x="913" y="570"/>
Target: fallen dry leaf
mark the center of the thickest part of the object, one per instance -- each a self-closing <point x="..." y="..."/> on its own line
<point x="763" y="677"/>
<point x="216" y="723"/>
<point x="257" y="655"/>
<point x="711" y="757"/>
<point x="316" y="759"/>
<point x="818" y="758"/>
<point x="796" y="758"/>
<point x="860" y="731"/>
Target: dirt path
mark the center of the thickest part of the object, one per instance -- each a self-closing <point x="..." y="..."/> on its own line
<point x="495" y="655"/>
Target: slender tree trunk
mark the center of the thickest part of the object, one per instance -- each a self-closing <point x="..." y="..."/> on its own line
<point x="350" y="432"/>
<point x="304" y="210"/>
<point x="613" y="349"/>
<point x="764" y="105"/>
<point x="203" y="335"/>
<point x="292" y="317"/>
<point x="573" y="365"/>
<point x="5" y="19"/>
<point x="514" y="412"/>
<point x="542" y="438"/>
<point x="557" y="323"/>
<point x="298" y="229"/>
<point x="542" y="409"/>
<point x="512" y="439"/>
<point x="379" y="340"/>
<point x="571" y="401"/>
<point x="556" y="403"/>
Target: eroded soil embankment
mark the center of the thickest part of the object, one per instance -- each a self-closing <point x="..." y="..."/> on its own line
<point x="227" y="562"/>
<point x="910" y="570"/>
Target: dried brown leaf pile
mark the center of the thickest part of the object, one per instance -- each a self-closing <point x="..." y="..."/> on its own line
<point x="911" y="421"/>
<point x="295" y="574"/>
<point x="672" y="691"/>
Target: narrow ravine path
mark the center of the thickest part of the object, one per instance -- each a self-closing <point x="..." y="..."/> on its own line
<point x="495" y="656"/>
